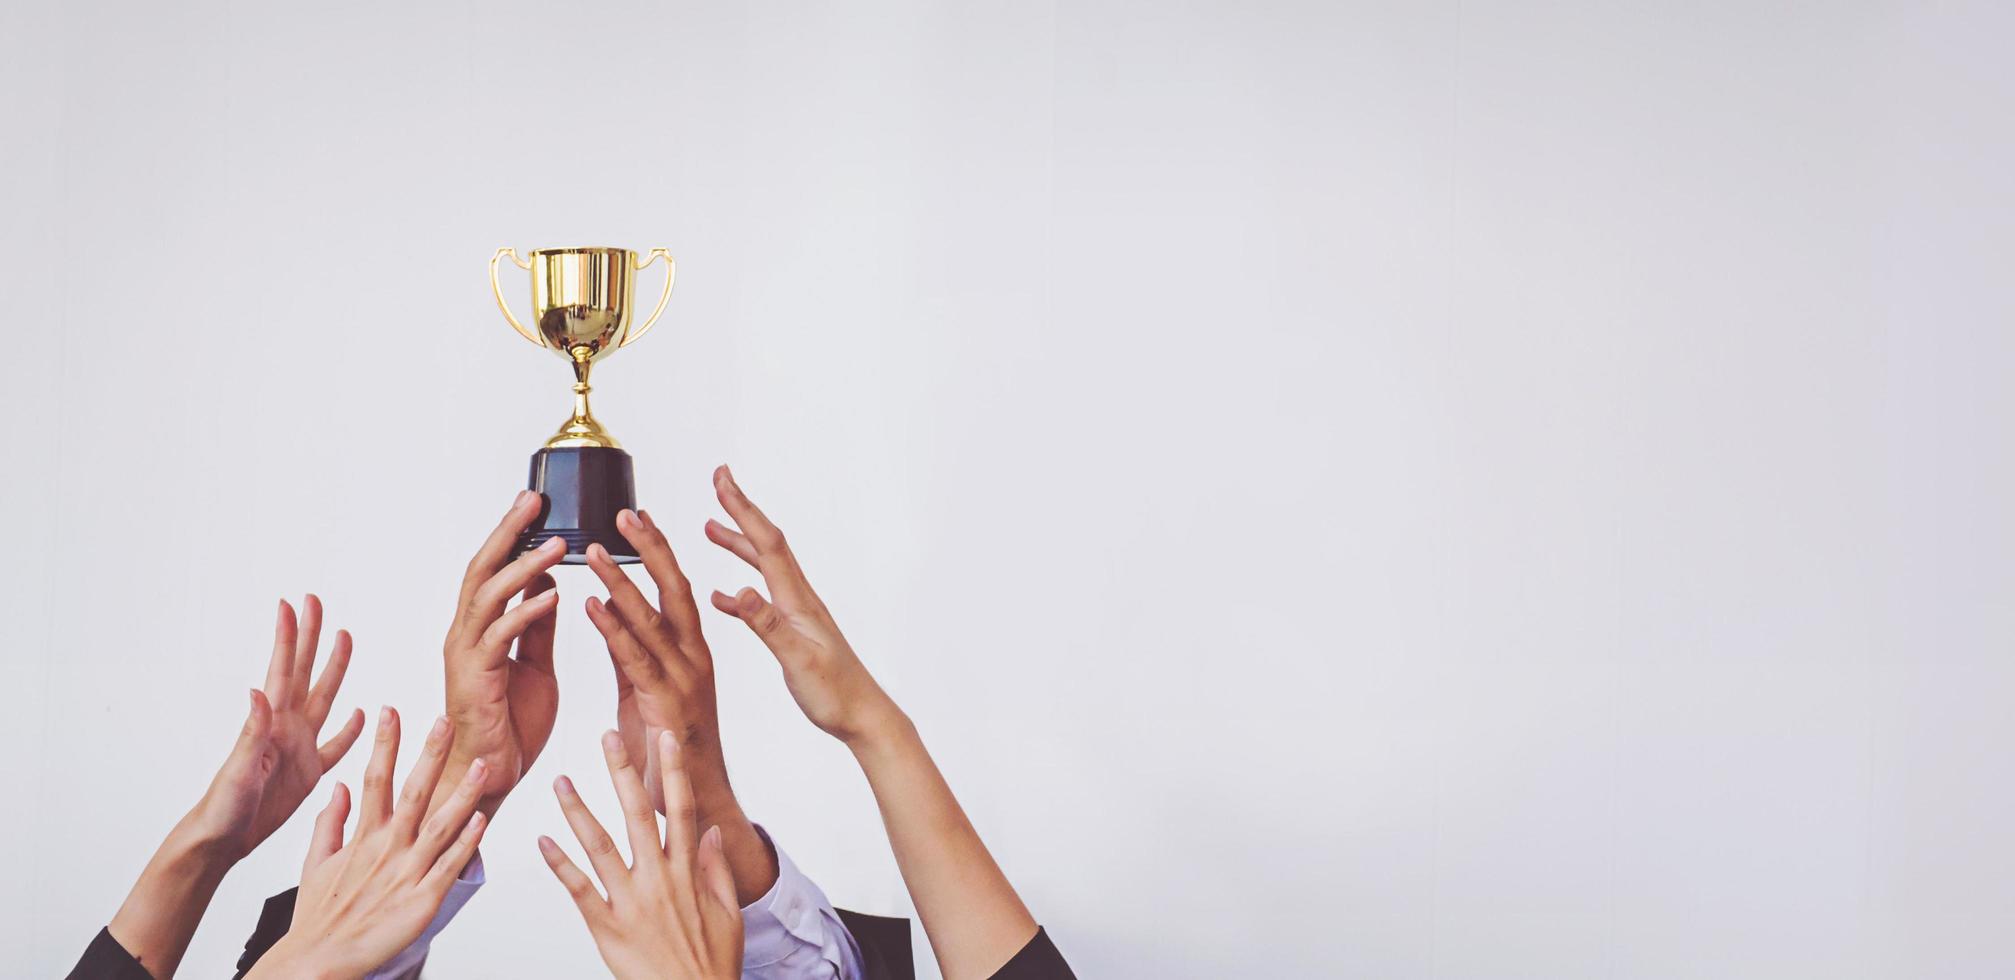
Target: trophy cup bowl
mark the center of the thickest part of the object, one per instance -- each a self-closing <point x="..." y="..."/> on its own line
<point x="583" y="306"/>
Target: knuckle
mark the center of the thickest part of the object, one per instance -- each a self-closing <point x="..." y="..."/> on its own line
<point x="602" y="845"/>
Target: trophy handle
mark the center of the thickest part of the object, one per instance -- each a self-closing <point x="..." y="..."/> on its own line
<point x="498" y="290"/>
<point x="671" y="272"/>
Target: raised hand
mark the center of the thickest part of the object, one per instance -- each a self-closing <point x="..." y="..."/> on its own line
<point x="665" y="683"/>
<point x="271" y="769"/>
<point x="972" y="915"/>
<point x="276" y="762"/>
<point x="362" y="902"/>
<point x="827" y="680"/>
<point x="672" y="911"/>
<point x="502" y="707"/>
<point x="664" y="672"/>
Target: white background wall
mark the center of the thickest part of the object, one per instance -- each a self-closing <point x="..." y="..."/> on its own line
<point x="1364" y="489"/>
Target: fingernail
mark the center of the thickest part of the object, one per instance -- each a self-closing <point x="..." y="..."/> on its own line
<point x="548" y="544"/>
<point x="546" y="843"/>
<point x="564" y="785"/>
<point x="667" y="745"/>
<point x="627" y="516"/>
<point x="384" y="716"/>
<point x="524" y="497"/>
<point x="612" y="742"/>
<point x="598" y="553"/>
<point x="440" y="729"/>
<point x="712" y="838"/>
<point x="476" y="820"/>
<point x="476" y="770"/>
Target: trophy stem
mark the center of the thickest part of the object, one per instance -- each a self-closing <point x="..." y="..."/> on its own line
<point x="582" y="431"/>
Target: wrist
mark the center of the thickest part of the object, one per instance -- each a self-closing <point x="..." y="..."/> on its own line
<point x="880" y="731"/>
<point x="287" y="958"/>
<point x="196" y="851"/>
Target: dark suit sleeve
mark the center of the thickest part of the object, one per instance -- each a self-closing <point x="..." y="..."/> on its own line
<point x="105" y="959"/>
<point x="273" y="922"/>
<point x="884" y="943"/>
<point x="1039" y="960"/>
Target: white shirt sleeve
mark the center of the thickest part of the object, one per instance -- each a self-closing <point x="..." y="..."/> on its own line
<point x="406" y="965"/>
<point x="792" y="932"/>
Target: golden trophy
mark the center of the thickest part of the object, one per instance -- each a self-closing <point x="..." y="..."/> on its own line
<point x="583" y="302"/>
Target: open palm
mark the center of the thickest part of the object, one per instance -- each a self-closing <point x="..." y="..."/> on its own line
<point x="277" y="760"/>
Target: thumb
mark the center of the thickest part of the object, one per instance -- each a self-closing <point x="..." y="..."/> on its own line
<point x="714" y="873"/>
<point x="251" y="745"/>
<point x="327" y="838"/>
<point x="750" y="607"/>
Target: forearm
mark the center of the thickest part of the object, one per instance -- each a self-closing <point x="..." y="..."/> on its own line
<point x="970" y="912"/>
<point x="749" y="858"/>
<point x="160" y="914"/>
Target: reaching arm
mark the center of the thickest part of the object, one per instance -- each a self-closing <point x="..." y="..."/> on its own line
<point x="665" y="683"/>
<point x="975" y="921"/>
<point x="272" y="768"/>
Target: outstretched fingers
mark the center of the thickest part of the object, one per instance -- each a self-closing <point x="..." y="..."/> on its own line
<point x="759" y="543"/>
<point x="734" y="541"/>
<point x="376" y="805"/>
<point x="601" y="848"/>
<point x="438" y="840"/>
<point x="486" y="607"/>
<point x="681" y="814"/>
<point x="323" y="695"/>
<point x="338" y="745"/>
<point x="754" y="523"/>
<point x="327" y="838"/>
<point x="573" y="879"/>
<point x="628" y="601"/>
<point x="750" y="607"/>
<point x="535" y="611"/>
<point x="496" y="548"/>
<point x="640" y="817"/>
<point x="307" y="638"/>
<point x="535" y="644"/>
<point x="420" y="782"/>
<point x="280" y="669"/>
<point x="633" y="663"/>
<point x="457" y="855"/>
<point x="675" y="591"/>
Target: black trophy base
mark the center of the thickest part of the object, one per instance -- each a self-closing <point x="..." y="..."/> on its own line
<point x="581" y="491"/>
